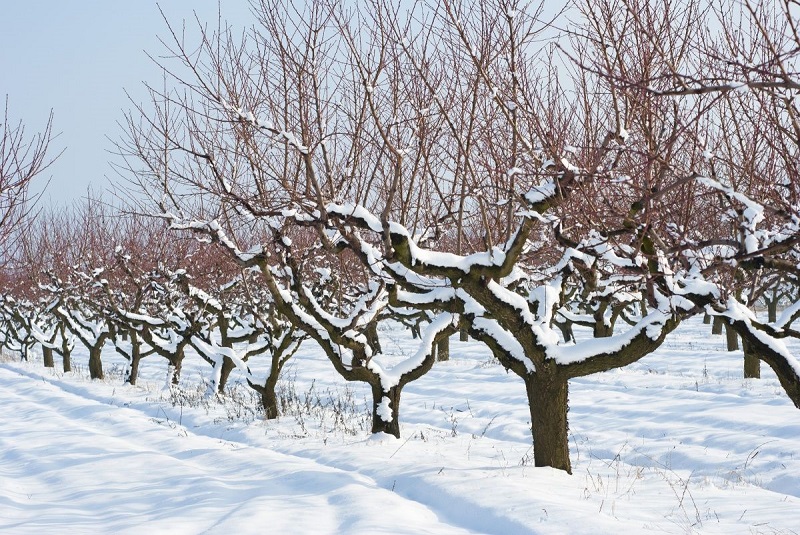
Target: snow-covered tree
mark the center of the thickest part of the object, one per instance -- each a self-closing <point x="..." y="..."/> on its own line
<point x="452" y="160"/>
<point x="745" y="66"/>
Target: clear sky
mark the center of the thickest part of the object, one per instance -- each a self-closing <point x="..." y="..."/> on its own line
<point x="78" y="57"/>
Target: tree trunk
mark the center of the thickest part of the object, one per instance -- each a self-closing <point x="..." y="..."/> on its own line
<point x="380" y="414"/>
<point x="66" y="355"/>
<point x="177" y="364"/>
<point x="752" y="364"/>
<point x="716" y="327"/>
<point x="548" y="402"/>
<point x="136" y="356"/>
<point x="463" y="335"/>
<point x="47" y="355"/>
<point x="566" y="330"/>
<point x="443" y="349"/>
<point x="784" y="368"/>
<point x="269" y="400"/>
<point x="772" y="310"/>
<point x="373" y="340"/>
<point x="601" y="330"/>
<point x="731" y="338"/>
<point x="95" y="363"/>
<point x="415" y="334"/>
<point x="133" y="373"/>
<point x="706" y="319"/>
<point x="224" y="374"/>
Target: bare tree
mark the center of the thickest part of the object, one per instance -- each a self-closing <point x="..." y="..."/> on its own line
<point x="747" y="64"/>
<point x="450" y="159"/>
<point x="22" y="157"/>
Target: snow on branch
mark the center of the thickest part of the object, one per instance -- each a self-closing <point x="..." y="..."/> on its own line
<point x="214" y="230"/>
<point x="752" y="215"/>
<point x="391" y="377"/>
<point x="249" y="118"/>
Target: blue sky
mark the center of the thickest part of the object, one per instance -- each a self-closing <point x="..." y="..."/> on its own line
<point x="78" y="58"/>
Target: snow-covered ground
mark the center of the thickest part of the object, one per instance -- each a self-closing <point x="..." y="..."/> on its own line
<point x="677" y="443"/>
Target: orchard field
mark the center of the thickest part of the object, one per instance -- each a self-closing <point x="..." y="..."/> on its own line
<point x="677" y="443"/>
<point x="387" y="267"/>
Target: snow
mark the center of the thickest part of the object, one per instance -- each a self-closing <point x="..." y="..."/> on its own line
<point x="752" y="215"/>
<point x="651" y="325"/>
<point x="444" y="260"/>
<point x="390" y="377"/>
<point x="539" y="193"/>
<point x="676" y="443"/>
<point x="569" y="166"/>
<point x="504" y="339"/>
<point x="358" y="212"/>
<point x="384" y="410"/>
<point x="787" y="316"/>
<point x="737" y="311"/>
<point x="205" y="298"/>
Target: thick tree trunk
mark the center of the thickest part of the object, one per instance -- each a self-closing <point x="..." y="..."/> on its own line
<point x="752" y="364"/>
<point x="784" y="368"/>
<point x="706" y="319"/>
<point x="463" y="335"/>
<point x="443" y="349"/>
<point x="47" y="355"/>
<point x="731" y="338"/>
<point x="95" y="363"/>
<point x="601" y="330"/>
<point x="716" y="328"/>
<point x="548" y="401"/>
<point x="386" y="419"/>
<point x="132" y="373"/>
<point x="269" y="399"/>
